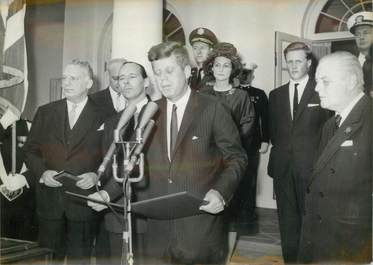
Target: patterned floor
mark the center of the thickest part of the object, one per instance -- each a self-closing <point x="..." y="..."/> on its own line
<point x="259" y="242"/>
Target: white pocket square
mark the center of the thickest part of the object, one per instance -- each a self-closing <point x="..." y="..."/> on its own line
<point x="313" y="105"/>
<point x="194" y="138"/>
<point x="347" y="143"/>
<point x="102" y="127"/>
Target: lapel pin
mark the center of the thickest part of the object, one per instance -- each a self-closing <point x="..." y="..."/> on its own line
<point x="348" y="130"/>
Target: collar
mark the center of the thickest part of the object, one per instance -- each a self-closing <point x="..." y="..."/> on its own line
<point x="344" y="113"/>
<point x="141" y="104"/>
<point x="79" y="105"/>
<point x="302" y="82"/>
<point x="181" y="101"/>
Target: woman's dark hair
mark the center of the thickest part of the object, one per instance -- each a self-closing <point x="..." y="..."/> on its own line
<point x="227" y="50"/>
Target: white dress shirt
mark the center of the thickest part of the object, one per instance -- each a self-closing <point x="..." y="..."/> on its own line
<point x="119" y="101"/>
<point x="79" y="108"/>
<point x="344" y="113"/>
<point x="181" y="105"/>
<point x="361" y="59"/>
<point x="301" y="86"/>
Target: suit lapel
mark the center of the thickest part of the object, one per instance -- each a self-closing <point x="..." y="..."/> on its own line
<point x="307" y="94"/>
<point x="60" y="118"/>
<point x="163" y="128"/>
<point x="286" y="98"/>
<point x="349" y="127"/>
<point x="83" y="125"/>
<point x="191" y="109"/>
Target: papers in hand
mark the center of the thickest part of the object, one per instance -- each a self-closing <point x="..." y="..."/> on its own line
<point x="66" y="178"/>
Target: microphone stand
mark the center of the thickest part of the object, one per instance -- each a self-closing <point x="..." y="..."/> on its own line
<point x="126" y="180"/>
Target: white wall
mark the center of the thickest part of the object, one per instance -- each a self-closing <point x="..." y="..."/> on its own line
<point x="84" y="23"/>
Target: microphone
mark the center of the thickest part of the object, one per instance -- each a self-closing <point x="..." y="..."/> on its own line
<point x="148" y="129"/>
<point x="149" y="111"/>
<point x="124" y="119"/>
<point x="106" y="160"/>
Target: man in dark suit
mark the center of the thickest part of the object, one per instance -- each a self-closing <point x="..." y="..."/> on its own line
<point x="133" y="81"/>
<point x="259" y="144"/>
<point x="196" y="147"/>
<point x="66" y="136"/>
<point x="295" y="122"/>
<point x="202" y="41"/>
<point x="337" y="226"/>
<point x="18" y="219"/>
<point x="361" y="25"/>
<point x="111" y="100"/>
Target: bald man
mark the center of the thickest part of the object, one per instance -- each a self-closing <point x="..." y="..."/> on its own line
<point x="110" y="99"/>
<point x="338" y="216"/>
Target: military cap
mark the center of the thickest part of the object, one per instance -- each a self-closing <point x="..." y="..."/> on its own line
<point x="358" y="19"/>
<point x="204" y="35"/>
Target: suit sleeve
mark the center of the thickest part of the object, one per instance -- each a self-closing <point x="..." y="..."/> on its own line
<point x="271" y="117"/>
<point x="264" y="118"/>
<point x="33" y="147"/>
<point x="228" y="142"/>
<point x="247" y="120"/>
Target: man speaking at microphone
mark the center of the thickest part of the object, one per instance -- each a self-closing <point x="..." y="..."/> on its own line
<point x="133" y="81"/>
<point x="196" y="148"/>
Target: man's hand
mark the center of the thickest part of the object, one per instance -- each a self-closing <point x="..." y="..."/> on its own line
<point x="215" y="202"/>
<point x="100" y="196"/>
<point x="8" y="118"/>
<point x="48" y="179"/>
<point x="263" y="148"/>
<point x="88" y="180"/>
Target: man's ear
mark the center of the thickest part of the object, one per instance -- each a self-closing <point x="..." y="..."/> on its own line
<point x="89" y="84"/>
<point x="187" y="71"/>
<point x="146" y="82"/>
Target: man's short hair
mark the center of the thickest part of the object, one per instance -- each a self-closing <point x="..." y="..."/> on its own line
<point x="245" y="73"/>
<point x="142" y="69"/>
<point x="295" y="46"/>
<point x="347" y="63"/>
<point x="167" y="49"/>
<point x="85" y="65"/>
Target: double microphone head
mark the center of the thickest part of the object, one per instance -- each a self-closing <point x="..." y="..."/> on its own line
<point x="143" y="129"/>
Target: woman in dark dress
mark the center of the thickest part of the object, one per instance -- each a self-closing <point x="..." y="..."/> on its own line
<point x="224" y="65"/>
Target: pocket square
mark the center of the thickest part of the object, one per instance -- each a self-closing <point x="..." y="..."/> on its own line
<point x="194" y="137"/>
<point x="102" y="127"/>
<point x="347" y="143"/>
<point x="312" y="105"/>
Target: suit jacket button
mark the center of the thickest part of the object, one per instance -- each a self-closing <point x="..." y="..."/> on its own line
<point x="332" y="170"/>
<point x="321" y="194"/>
<point x="308" y="190"/>
<point x="170" y="181"/>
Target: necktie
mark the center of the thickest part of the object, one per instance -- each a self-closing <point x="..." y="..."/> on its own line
<point x="118" y="105"/>
<point x="173" y="129"/>
<point x="338" y="119"/>
<point x="295" y="100"/>
<point x="72" y="115"/>
<point x="199" y="76"/>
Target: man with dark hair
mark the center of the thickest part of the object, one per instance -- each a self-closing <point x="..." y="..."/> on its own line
<point x="295" y="120"/>
<point x="337" y="225"/>
<point x="202" y="41"/>
<point x="196" y="148"/>
<point x="259" y="144"/>
<point x="110" y="99"/>
<point x="361" y="25"/>
<point x="65" y="137"/>
<point x="133" y="81"/>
